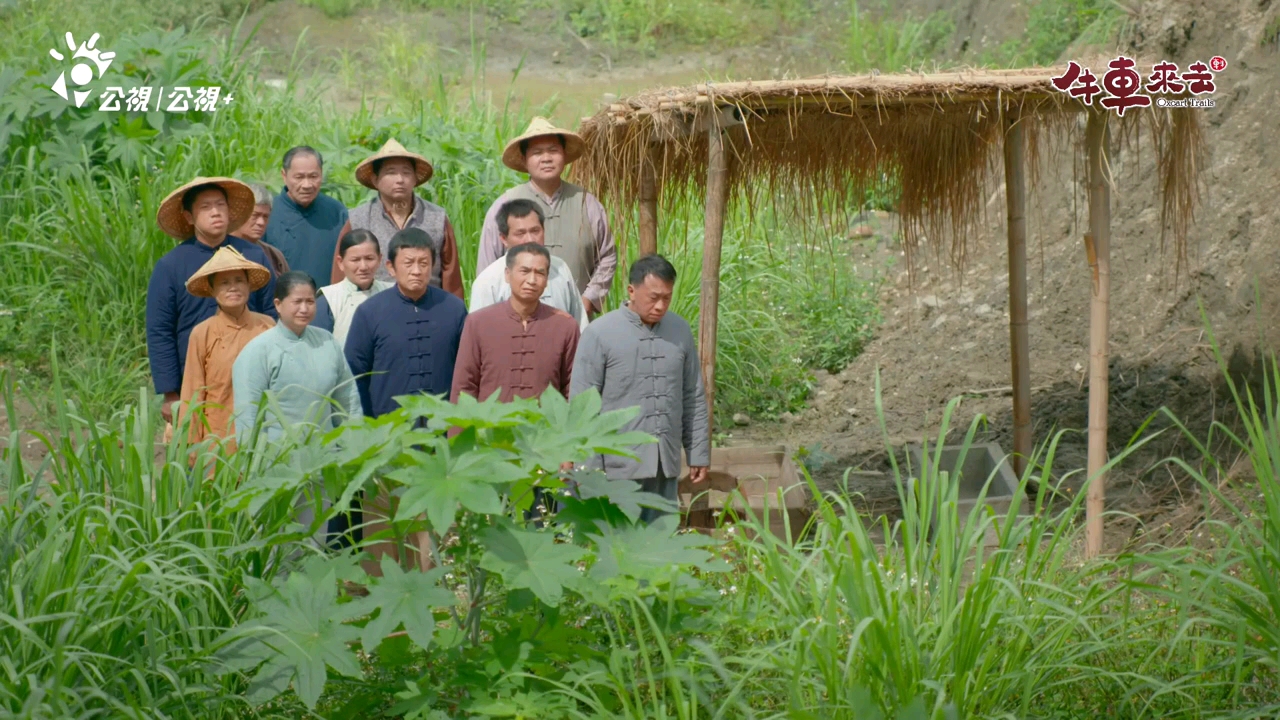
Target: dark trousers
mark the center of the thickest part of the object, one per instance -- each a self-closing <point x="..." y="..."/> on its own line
<point x="660" y="484"/>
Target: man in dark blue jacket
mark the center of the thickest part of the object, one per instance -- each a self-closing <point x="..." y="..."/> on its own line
<point x="305" y="223"/>
<point x="200" y="214"/>
<point x="408" y="335"/>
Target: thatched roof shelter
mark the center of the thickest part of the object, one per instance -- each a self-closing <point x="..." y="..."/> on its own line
<point x="820" y="141"/>
<point x="937" y="135"/>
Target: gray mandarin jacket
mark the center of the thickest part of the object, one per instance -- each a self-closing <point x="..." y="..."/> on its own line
<point x="657" y="369"/>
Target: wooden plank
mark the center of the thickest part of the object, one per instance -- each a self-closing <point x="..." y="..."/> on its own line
<point x="1019" y="345"/>
<point x="713" y="235"/>
<point x="1098" y="243"/>
<point x="648" y="208"/>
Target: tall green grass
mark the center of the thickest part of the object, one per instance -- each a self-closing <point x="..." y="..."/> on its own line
<point x="119" y="568"/>
<point x="122" y="571"/>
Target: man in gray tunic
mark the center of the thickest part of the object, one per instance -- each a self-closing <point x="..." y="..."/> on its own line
<point x="576" y="228"/>
<point x="642" y="355"/>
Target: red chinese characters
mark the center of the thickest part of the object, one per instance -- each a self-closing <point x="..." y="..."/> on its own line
<point x="1164" y="79"/>
<point x="1199" y="79"/>
<point x="1078" y="82"/>
<point x="1123" y="84"/>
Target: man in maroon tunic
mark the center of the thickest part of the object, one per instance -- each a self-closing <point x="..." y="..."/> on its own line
<point x="521" y="347"/>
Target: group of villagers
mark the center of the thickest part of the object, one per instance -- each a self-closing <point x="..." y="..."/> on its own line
<point x="332" y="313"/>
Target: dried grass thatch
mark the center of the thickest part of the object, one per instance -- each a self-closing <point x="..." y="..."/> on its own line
<point x="816" y="143"/>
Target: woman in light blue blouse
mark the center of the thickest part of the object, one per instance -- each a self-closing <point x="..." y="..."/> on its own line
<point x="303" y="370"/>
<point x="302" y="367"/>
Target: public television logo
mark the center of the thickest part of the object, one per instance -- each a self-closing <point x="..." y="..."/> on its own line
<point x="1122" y="86"/>
<point x="117" y="97"/>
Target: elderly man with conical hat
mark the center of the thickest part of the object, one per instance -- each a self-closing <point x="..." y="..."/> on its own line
<point x="396" y="173"/>
<point x="200" y="214"/>
<point x="576" y="228"/>
<point x="230" y="279"/>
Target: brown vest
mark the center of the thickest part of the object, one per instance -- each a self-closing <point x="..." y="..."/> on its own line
<point x="568" y="234"/>
<point x="426" y="216"/>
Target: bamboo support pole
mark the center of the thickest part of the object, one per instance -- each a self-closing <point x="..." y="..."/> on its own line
<point x="648" y="208"/>
<point x="713" y="233"/>
<point x="1019" y="345"/>
<point x="1098" y="247"/>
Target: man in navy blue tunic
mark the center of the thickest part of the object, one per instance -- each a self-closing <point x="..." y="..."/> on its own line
<point x="200" y="214"/>
<point x="406" y="336"/>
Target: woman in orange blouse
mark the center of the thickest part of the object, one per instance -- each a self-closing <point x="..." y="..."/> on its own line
<point x="229" y="279"/>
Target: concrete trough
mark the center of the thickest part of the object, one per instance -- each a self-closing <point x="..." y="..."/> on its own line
<point x="981" y="462"/>
<point x="758" y="474"/>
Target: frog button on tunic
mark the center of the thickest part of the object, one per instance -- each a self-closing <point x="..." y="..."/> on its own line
<point x="499" y="352"/>
<point x="655" y="368"/>
<point x="409" y="346"/>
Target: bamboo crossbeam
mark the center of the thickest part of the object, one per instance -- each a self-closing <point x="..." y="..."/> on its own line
<point x="1031" y="100"/>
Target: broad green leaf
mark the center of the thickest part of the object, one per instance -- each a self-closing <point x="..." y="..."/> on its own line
<point x="532" y="560"/>
<point x="302" y="631"/>
<point x="344" y="567"/>
<point x="440" y="481"/>
<point x="650" y="552"/>
<point x="402" y="599"/>
<point x="573" y="431"/>
<point x="270" y="682"/>
<point x="626" y="494"/>
<point x="415" y="704"/>
<point x="468" y="411"/>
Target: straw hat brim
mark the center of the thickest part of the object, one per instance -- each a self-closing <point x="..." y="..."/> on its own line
<point x="201" y="283"/>
<point x="513" y="158"/>
<point x="239" y="201"/>
<point x="364" y="171"/>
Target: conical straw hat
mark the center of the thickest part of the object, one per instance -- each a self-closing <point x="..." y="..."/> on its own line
<point x="239" y="200"/>
<point x="226" y="258"/>
<point x="513" y="158"/>
<point x="393" y="149"/>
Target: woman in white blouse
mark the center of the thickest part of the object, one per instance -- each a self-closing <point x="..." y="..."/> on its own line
<point x="359" y="256"/>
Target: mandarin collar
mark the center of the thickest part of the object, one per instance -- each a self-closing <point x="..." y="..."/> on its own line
<point x="284" y="193"/>
<point x="419" y="302"/>
<point x="634" y="317"/>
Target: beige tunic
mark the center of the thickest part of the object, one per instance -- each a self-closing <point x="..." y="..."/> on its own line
<point x="214" y="346"/>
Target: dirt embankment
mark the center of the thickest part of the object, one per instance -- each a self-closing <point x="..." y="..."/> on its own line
<point x="948" y="335"/>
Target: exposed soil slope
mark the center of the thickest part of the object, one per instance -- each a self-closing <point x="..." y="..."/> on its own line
<point x="949" y="334"/>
